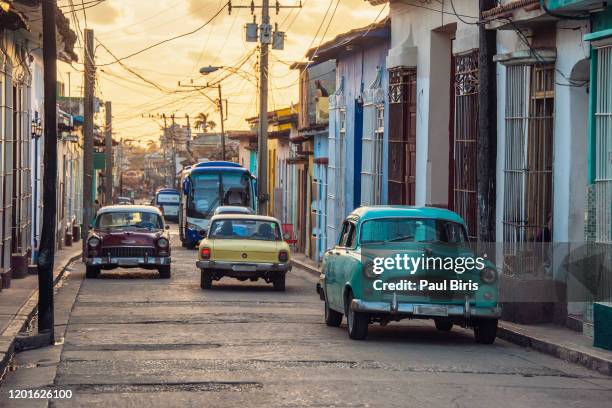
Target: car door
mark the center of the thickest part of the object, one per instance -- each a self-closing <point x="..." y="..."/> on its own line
<point x="346" y="261"/>
<point x="333" y="278"/>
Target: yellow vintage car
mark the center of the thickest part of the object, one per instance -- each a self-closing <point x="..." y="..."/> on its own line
<point x="243" y="247"/>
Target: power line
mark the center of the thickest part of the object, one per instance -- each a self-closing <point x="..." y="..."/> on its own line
<point x="167" y="39"/>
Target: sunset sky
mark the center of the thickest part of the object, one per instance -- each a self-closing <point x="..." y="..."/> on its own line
<point x="127" y="26"/>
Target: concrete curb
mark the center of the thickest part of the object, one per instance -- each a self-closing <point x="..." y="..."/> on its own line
<point x="307" y="267"/>
<point x="22" y="319"/>
<point x="573" y="355"/>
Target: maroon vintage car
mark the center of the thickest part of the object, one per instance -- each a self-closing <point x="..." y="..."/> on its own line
<point x="128" y="236"/>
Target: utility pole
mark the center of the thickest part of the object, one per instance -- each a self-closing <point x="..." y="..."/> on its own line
<point x="88" y="135"/>
<point x="47" y="238"/>
<point x="108" y="150"/>
<point x="266" y="36"/>
<point x="222" y="124"/>
<point x="486" y="147"/>
<point x="262" y="135"/>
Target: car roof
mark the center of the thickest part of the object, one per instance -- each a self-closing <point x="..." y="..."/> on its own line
<point x="382" y="211"/>
<point x="246" y="210"/>
<point x="167" y="190"/>
<point x="124" y="208"/>
<point x="253" y="217"/>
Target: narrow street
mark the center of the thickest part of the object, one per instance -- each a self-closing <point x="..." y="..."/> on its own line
<point x="135" y="340"/>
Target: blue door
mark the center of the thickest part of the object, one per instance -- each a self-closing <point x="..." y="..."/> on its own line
<point x="357" y="153"/>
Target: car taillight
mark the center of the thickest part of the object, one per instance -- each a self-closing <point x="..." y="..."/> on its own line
<point x="283" y="256"/>
<point x="205" y="252"/>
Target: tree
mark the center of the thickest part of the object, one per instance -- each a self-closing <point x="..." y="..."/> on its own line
<point x="152" y="146"/>
<point x="203" y="123"/>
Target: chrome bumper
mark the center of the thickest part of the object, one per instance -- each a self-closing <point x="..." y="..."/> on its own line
<point x="144" y="261"/>
<point x="245" y="266"/>
<point x="425" y="309"/>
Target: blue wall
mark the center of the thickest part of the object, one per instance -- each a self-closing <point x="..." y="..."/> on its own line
<point x="359" y="71"/>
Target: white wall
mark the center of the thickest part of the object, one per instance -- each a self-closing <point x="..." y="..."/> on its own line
<point x="570" y="139"/>
<point x="432" y="95"/>
<point x="36" y="150"/>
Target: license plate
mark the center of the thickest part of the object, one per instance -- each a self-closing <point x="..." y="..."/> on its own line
<point x="244" y="268"/>
<point x="127" y="262"/>
<point x="431" y="310"/>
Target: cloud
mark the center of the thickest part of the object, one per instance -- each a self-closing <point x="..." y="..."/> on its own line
<point x="104" y="13"/>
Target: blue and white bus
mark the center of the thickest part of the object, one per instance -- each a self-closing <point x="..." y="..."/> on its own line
<point x="167" y="200"/>
<point x="204" y="187"/>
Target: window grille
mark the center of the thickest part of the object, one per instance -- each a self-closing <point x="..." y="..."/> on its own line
<point x="603" y="146"/>
<point x="527" y="216"/>
<point x="402" y="135"/>
<point x="466" y="135"/>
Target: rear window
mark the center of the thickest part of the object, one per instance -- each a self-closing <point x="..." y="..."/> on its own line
<point x="168" y="198"/>
<point x="245" y="229"/>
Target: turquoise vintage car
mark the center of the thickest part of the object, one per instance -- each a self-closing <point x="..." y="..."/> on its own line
<point x="397" y="262"/>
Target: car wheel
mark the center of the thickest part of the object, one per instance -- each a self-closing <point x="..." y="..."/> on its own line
<point x="332" y="318"/>
<point x="205" y="279"/>
<point x="92" y="272"/>
<point x="357" y="323"/>
<point x="164" y="272"/>
<point x="444" y="325"/>
<point x="279" y="282"/>
<point x="485" y="331"/>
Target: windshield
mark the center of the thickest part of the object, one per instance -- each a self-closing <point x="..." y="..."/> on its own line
<point x="210" y="190"/>
<point x="412" y="230"/>
<point x="245" y="229"/>
<point x="129" y="219"/>
<point x="168" y="198"/>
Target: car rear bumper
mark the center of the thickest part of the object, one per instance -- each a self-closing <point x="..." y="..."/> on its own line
<point x="245" y="267"/>
<point x="129" y="261"/>
<point x="466" y="310"/>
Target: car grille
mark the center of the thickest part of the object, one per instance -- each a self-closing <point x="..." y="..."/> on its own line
<point x="128" y="252"/>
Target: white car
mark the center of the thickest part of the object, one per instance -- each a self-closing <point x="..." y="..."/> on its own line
<point x="232" y="209"/>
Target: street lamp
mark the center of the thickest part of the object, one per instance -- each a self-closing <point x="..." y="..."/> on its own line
<point x="205" y="71"/>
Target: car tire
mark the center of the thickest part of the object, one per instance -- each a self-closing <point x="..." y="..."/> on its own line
<point x="279" y="282"/>
<point x="164" y="272"/>
<point x="205" y="279"/>
<point x="444" y="325"/>
<point x="92" y="272"/>
<point x="332" y="318"/>
<point x="485" y="331"/>
<point x="356" y="322"/>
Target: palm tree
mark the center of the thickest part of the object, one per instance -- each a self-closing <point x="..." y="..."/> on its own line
<point x="203" y="123"/>
<point x="152" y="146"/>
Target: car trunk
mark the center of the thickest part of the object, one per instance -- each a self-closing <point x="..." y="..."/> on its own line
<point x="244" y="250"/>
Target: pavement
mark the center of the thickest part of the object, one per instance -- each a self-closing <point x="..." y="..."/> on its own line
<point x="132" y="339"/>
<point x="18" y="303"/>
<point x="551" y="339"/>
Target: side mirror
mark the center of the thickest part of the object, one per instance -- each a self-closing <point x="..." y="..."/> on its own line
<point x="286" y="236"/>
<point x="167" y="227"/>
<point x="203" y="233"/>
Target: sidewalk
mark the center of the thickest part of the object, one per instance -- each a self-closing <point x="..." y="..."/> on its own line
<point x="18" y="303"/>
<point x="554" y="340"/>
